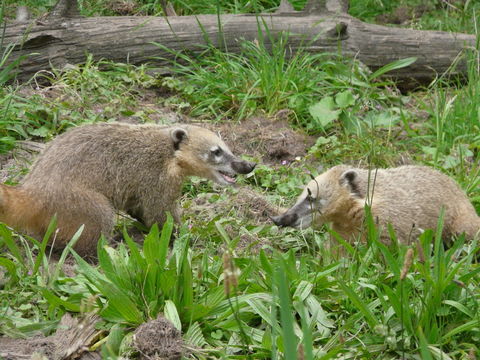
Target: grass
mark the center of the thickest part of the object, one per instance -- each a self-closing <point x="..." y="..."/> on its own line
<point x="456" y="16"/>
<point x="296" y="298"/>
<point x="315" y="90"/>
<point x="83" y="94"/>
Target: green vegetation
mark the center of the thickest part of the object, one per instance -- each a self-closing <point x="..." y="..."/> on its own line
<point x="287" y="294"/>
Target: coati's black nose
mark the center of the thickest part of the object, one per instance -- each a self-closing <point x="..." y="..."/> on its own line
<point x="285" y="219"/>
<point x="242" y="166"/>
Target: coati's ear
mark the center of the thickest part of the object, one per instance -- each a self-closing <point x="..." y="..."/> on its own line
<point x="178" y="135"/>
<point x="349" y="179"/>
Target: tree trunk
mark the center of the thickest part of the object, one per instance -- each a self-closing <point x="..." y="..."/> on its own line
<point x="64" y="38"/>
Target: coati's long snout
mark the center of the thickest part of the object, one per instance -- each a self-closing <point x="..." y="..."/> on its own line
<point x="243" y="166"/>
<point x="286" y="219"/>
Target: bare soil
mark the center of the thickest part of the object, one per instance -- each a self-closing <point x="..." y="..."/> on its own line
<point x="271" y="140"/>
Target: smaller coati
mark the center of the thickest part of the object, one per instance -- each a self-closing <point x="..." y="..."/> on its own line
<point x="405" y="197"/>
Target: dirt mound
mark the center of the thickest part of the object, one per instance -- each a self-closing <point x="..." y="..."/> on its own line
<point x="245" y="204"/>
<point x="158" y="339"/>
<point x="273" y="141"/>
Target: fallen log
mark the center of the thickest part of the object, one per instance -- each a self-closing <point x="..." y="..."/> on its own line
<point x="323" y="26"/>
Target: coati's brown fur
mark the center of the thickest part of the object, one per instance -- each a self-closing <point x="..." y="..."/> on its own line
<point x="86" y="174"/>
<point x="408" y="197"/>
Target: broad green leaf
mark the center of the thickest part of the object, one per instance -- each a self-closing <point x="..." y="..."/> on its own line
<point x="323" y="112"/>
<point x="266" y="265"/>
<point x="319" y="315"/>
<point x="151" y="248"/>
<point x="121" y="302"/>
<point x="170" y="312"/>
<point x="222" y="232"/>
<point x="111" y="349"/>
<point x="303" y="289"/>
<point x="464" y="327"/>
<point x="260" y="309"/>
<point x="460" y="307"/>
<point x="187" y="276"/>
<point x="136" y="258"/>
<point x="424" y="348"/>
<point x="438" y="354"/>
<point x="384" y="119"/>
<point x="194" y="336"/>
<point x="104" y="259"/>
<point x="42" y="131"/>
<point x="344" y="99"/>
<point x="56" y="301"/>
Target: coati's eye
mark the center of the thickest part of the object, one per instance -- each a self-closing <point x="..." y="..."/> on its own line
<point x="217" y="151"/>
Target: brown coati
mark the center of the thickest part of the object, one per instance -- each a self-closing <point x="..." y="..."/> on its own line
<point x="86" y="174"/>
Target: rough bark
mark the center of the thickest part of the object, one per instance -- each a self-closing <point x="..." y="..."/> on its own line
<point x="323" y="26"/>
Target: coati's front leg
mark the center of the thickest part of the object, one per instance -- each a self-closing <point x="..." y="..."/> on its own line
<point x="154" y="211"/>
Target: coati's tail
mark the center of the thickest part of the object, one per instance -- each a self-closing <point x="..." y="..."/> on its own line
<point x="20" y="211"/>
<point x="26" y="211"/>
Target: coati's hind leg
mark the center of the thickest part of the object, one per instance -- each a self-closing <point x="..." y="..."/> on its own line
<point x="88" y="208"/>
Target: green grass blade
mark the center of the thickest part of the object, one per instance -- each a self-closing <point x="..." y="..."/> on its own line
<point x="56" y="301"/>
<point x="6" y="234"/>
<point x="290" y="340"/>
<point x="43" y="245"/>
<point x="66" y="251"/>
<point x="151" y="245"/>
<point x="359" y="304"/>
<point x="395" y="65"/>
<point x="165" y="237"/>
<point x="11" y="268"/>
<point x="424" y="351"/>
